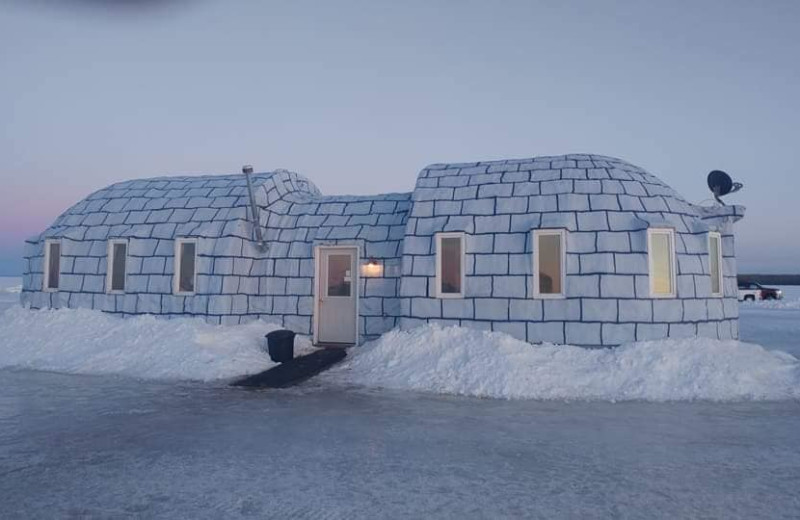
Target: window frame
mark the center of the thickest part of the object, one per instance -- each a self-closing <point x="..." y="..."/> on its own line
<point x="176" y="275"/>
<point x="46" y="268"/>
<point x="110" y="266"/>
<point x="716" y="235"/>
<point x="438" y="237"/>
<point x="562" y="234"/>
<point x="670" y="232"/>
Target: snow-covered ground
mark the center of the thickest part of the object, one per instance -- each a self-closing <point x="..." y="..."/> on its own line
<point x="83" y="341"/>
<point x="775" y="325"/>
<point x="431" y="359"/>
<point x="489" y="364"/>
<point x="10" y="288"/>
<point x="105" y="446"/>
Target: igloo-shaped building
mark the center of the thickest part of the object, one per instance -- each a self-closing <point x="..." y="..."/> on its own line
<point x="580" y="249"/>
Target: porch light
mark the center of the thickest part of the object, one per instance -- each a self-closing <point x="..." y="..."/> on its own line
<point x="372" y="269"/>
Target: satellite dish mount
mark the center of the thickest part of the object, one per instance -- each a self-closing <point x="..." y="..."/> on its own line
<point x="720" y="184"/>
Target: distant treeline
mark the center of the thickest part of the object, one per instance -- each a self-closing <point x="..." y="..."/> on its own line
<point x="774" y="279"/>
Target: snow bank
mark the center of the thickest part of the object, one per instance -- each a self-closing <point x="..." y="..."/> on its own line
<point x="85" y="341"/>
<point x="489" y="364"/>
<point x="15" y="289"/>
<point x="444" y="360"/>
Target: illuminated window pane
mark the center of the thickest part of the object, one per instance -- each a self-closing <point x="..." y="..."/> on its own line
<point x="450" y="265"/>
<point x="714" y="262"/>
<point x="339" y="275"/>
<point x="54" y="265"/>
<point x="661" y="263"/>
<point x="549" y="251"/>
<point x="118" y="255"/>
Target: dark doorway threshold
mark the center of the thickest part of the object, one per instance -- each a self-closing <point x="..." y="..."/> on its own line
<point x="294" y="371"/>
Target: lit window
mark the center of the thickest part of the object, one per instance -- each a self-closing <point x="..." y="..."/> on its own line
<point x="185" y="265"/>
<point x="715" y="262"/>
<point x="52" y="262"/>
<point x="549" y="263"/>
<point x="661" y="256"/>
<point x="450" y="265"/>
<point x="117" y="260"/>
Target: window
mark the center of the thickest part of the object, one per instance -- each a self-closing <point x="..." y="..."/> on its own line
<point x="549" y="263"/>
<point x="715" y="262"/>
<point x="117" y="266"/>
<point x="52" y="264"/>
<point x="339" y="275"/>
<point x="450" y="265"/>
<point x="185" y="265"/>
<point x="661" y="258"/>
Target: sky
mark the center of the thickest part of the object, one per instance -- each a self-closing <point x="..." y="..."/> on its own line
<point x="361" y="95"/>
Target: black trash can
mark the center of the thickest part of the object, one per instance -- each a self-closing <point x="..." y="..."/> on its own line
<point x="280" y="344"/>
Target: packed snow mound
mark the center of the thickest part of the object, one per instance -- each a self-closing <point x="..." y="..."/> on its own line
<point x="86" y="341"/>
<point x="448" y="360"/>
<point x="462" y="361"/>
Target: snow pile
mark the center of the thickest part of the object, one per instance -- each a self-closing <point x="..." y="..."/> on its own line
<point x="15" y="289"/>
<point x="489" y="364"/>
<point x="444" y="360"/>
<point x="91" y="342"/>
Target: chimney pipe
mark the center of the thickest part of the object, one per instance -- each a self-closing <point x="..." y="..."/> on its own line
<point x="247" y="170"/>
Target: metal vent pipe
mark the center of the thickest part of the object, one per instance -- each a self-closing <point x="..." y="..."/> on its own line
<point x="247" y="170"/>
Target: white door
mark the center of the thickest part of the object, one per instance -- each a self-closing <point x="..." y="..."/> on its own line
<point x="337" y="285"/>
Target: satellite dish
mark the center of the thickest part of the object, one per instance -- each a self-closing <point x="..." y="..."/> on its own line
<point x="720" y="184"/>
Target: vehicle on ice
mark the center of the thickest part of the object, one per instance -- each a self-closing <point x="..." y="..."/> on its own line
<point x="753" y="291"/>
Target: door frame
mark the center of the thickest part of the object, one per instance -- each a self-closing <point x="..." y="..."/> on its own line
<point x="356" y="286"/>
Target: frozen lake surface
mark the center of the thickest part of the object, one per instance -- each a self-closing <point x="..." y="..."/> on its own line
<point x="9" y="291"/>
<point x="114" y="447"/>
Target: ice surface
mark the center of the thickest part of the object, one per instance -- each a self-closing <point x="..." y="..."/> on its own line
<point x="10" y="284"/>
<point x="776" y="325"/>
<point x="108" y="447"/>
<point x="9" y="291"/>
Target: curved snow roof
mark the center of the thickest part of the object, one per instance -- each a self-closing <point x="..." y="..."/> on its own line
<point x="174" y="206"/>
<point x="572" y="170"/>
<point x="550" y="175"/>
<point x="575" y="191"/>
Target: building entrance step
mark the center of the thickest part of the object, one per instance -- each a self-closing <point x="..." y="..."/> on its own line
<point x="295" y="371"/>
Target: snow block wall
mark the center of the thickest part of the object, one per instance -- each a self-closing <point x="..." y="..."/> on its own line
<point x="298" y="223"/>
<point x="606" y="206"/>
<point x="236" y="282"/>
